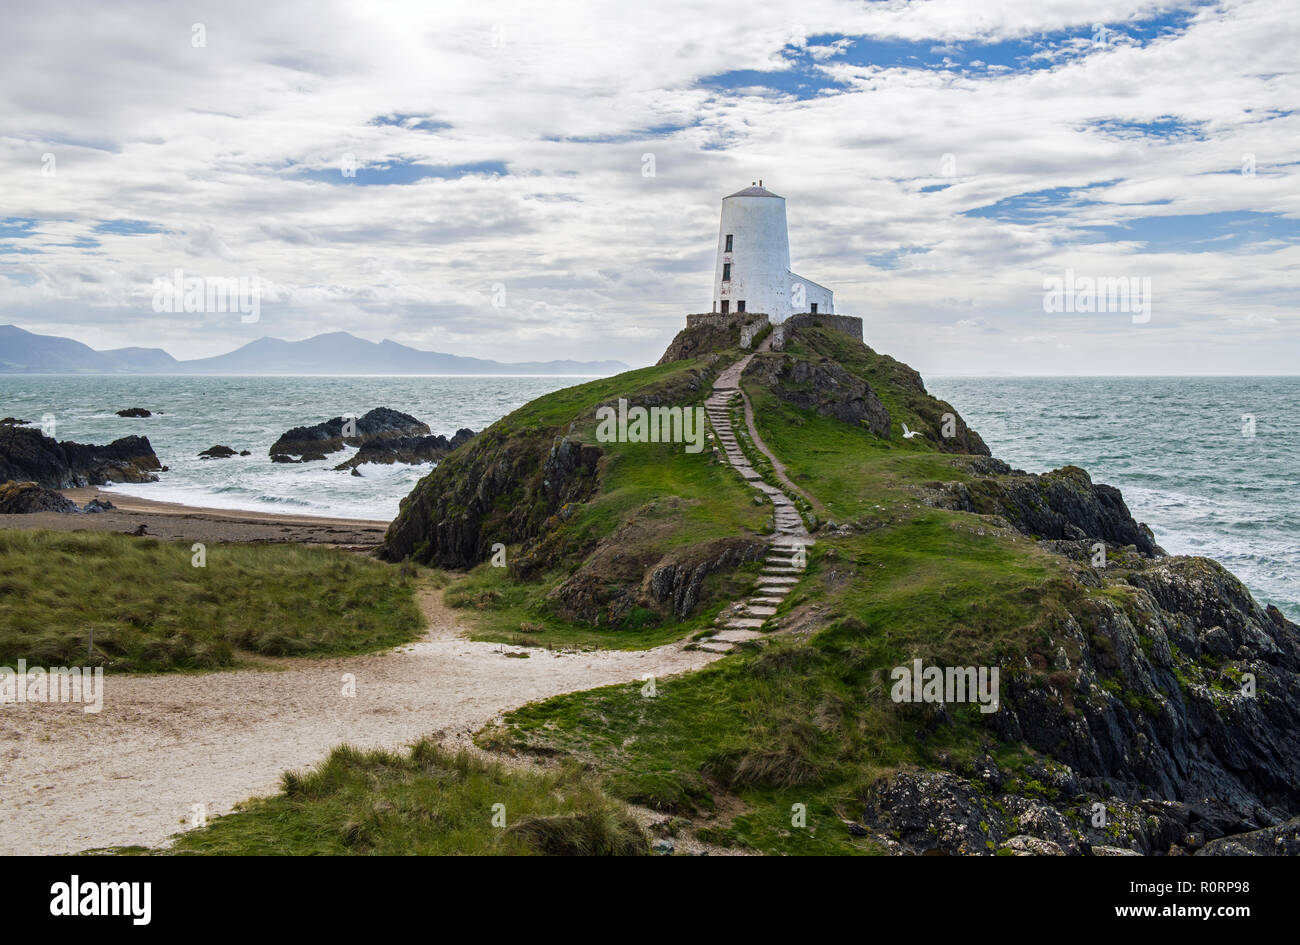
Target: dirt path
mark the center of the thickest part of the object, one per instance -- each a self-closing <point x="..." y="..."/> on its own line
<point x="131" y="774"/>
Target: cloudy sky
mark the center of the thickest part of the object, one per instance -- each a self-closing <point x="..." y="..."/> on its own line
<point x="940" y="161"/>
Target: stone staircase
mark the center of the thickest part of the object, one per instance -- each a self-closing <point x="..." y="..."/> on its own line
<point x="783" y="565"/>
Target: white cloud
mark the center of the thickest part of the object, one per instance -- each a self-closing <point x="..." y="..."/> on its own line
<point x="598" y="260"/>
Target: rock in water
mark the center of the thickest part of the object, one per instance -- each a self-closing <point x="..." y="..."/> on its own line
<point x="407" y="449"/>
<point x="134" y="412"/>
<point x="28" y="455"/>
<point x="313" y="442"/>
<point x="220" y="452"/>
<point x="24" y="498"/>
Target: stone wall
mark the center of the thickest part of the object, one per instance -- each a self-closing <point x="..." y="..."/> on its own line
<point x="848" y="324"/>
<point x="730" y="321"/>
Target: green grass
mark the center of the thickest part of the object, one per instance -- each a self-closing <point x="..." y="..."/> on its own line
<point x="854" y="473"/>
<point x="152" y="611"/>
<point x="502" y="610"/>
<point x="425" y="802"/>
<point x="655" y="497"/>
<point x="809" y="719"/>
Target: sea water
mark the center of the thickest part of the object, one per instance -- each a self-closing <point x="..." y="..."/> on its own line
<point x="1212" y="464"/>
<point x="1175" y="446"/>
<point x="191" y="414"/>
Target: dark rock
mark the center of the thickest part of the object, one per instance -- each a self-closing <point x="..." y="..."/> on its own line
<point x="28" y="455"/>
<point x="245" y="453"/>
<point x="98" y="505"/>
<point x="134" y="412"/>
<point x="23" y="498"/>
<point x="356" y="472"/>
<point x="13" y="422"/>
<point x="407" y="449"/>
<point x="677" y="579"/>
<point x="1278" y="840"/>
<point x="219" y="452"/>
<point x="1062" y="504"/>
<point x="709" y="333"/>
<point x="626" y="572"/>
<point x="822" y="386"/>
<point x="314" y="442"/>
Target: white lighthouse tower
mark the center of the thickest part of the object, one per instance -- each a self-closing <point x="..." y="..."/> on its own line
<point x="753" y="269"/>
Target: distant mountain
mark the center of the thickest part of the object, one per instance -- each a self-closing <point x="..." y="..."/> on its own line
<point x="22" y="352"/>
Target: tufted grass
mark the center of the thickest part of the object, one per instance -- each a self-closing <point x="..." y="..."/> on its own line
<point x="153" y="611"/>
<point x="428" y="801"/>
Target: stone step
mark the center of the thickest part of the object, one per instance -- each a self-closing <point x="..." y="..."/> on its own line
<point x="777" y="569"/>
<point x="777" y="579"/>
<point x="765" y="601"/>
<point x="743" y="623"/>
<point x="759" y="610"/>
<point x="735" y="635"/>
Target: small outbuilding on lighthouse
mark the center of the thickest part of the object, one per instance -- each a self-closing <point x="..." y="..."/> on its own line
<point x="753" y="269"/>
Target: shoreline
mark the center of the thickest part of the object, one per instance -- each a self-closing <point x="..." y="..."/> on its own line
<point x="173" y="521"/>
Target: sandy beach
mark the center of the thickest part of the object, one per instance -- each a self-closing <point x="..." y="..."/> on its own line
<point x="131" y="774"/>
<point x="171" y="521"/>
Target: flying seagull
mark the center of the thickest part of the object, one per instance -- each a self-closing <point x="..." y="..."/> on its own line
<point x="908" y="434"/>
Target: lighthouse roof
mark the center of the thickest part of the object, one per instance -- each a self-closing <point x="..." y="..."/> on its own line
<point x="755" y="191"/>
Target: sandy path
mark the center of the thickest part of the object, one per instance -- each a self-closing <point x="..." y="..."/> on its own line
<point x="70" y="780"/>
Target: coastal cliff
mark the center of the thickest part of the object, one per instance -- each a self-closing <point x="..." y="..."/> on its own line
<point x="1147" y="703"/>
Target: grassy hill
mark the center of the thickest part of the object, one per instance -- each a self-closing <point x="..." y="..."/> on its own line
<point x="1122" y="677"/>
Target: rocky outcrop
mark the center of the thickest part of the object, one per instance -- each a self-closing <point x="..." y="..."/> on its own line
<point x="27" y="455"/>
<point x="1169" y="715"/>
<point x="1062" y="504"/>
<point x="23" y="498"/>
<point x="677" y="580"/>
<point x="1280" y="840"/>
<point x="512" y="486"/>
<point x="821" y="386"/>
<point x="221" y="452"/>
<point x="501" y="489"/>
<point x="624" y="574"/>
<point x="709" y="333"/>
<point x="134" y="412"/>
<point x="413" y="450"/>
<point x="314" y="442"/>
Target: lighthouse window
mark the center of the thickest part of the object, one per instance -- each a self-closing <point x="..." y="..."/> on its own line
<point x="726" y="306"/>
<point x="740" y="306"/>
<point x="726" y="272"/>
<point x="728" y="249"/>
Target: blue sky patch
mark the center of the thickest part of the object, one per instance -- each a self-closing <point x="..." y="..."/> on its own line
<point x="1166" y="127"/>
<point x="127" y="227"/>
<point x="17" y="227"/>
<point x="403" y="172"/>
<point x="1200" y="232"/>
<point x="1035" y="206"/>
<point x="411" y="122"/>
